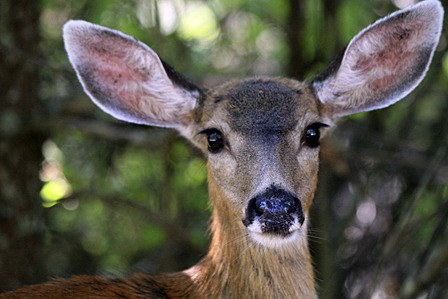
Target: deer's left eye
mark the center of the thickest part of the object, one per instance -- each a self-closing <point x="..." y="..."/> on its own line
<point x="215" y="140"/>
<point x="312" y="134"/>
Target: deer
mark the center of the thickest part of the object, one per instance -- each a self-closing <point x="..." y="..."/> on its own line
<point x="260" y="137"/>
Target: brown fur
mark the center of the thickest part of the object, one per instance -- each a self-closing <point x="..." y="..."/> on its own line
<point x="263" y="124"/>
<point x="176" y="286"/>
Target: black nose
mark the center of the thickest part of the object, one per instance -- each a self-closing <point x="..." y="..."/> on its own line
<point x="275" y="210"/>
<point x="277" y="203"/>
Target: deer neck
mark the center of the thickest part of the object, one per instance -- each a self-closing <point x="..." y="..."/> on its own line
<point x="236" y="267"/>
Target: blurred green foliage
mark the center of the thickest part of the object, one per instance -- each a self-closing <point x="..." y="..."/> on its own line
<point x="120" y="198"/>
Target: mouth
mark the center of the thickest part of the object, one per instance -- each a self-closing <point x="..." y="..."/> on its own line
<point x="277" y="239"/>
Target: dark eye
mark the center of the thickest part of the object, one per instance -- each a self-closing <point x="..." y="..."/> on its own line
<point x="312" y="134"/>
<point x="215" y="140"/>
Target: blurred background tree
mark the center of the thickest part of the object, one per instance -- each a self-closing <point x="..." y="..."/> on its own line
<point x="82" y="193"/>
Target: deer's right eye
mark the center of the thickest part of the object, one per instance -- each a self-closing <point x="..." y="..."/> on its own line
<point x="215" y="140"/>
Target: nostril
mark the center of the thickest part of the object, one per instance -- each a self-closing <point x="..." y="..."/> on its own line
<point x="260" y="206"/>
<point x="274" y="205"/>
<point x="289" y="206"/>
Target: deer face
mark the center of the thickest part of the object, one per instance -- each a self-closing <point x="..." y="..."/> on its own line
<point x="261" y="139"/>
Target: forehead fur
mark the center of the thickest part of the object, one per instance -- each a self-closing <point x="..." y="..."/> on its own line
<point x="263" y="104"/>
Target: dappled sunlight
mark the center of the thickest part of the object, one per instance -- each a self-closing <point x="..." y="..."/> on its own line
<point x="199" y="23"/>
<point x="169" y="18"/>
<point x="53" y="191"/>
<point x="366" y="213"/>
<point x="56" y="186"/>
<point x="192" y="20"/>
<point x="404" y="3"/>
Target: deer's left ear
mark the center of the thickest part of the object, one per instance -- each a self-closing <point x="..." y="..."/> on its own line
<point x="383" y="63"/>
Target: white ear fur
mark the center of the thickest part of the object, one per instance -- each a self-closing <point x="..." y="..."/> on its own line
<point x="383" y="63"/>
<point x="126" y="78"/>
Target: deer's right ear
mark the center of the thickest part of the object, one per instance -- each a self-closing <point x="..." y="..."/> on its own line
<point x="383" y="63"/>
<point x="126" y="79"/>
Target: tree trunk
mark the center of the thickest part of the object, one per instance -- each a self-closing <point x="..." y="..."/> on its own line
<point x="21" y="212"/>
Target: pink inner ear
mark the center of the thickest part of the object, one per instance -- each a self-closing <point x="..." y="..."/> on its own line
<point x="113" y="59"/>
<point x="115" y="69"/>
<point x="389" y="54"/>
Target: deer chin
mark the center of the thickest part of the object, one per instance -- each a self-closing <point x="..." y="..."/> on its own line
<point x="296" y="235"/>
